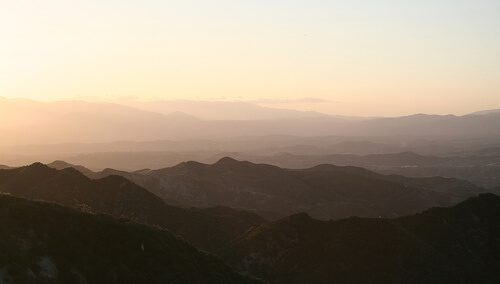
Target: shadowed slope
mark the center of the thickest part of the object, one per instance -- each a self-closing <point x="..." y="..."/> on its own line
<point x="453" y="245"/>
<point x="48" y="243"/>
<point x="120" y="197"/>
<point x="326" y="191"/>
<point x="61" y="165"/>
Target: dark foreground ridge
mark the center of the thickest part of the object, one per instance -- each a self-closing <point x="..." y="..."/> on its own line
<point x="455" y="244"/>
<point x="459" y="244"/>
<point x="207" y="229"/>
<point x="48" y="243"/>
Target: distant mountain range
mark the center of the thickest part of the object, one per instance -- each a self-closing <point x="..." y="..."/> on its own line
<point x="483" y="112"/>
<point x="442" y="245"/>
<point x="481" y="168"/>
<point x="471" y="160"/>
<point x="324" y="191"/>
<point x="409" y="159"/>
<point x="222" y="110"/>
<point x="266" y="145"/>
<point x="29" y="122"/>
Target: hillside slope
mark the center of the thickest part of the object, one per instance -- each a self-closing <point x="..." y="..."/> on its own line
<point x="48" y="243"/>
<point x="325" y="191"/>
<point x="120" y="197"/>
<point x="441" y="245"/>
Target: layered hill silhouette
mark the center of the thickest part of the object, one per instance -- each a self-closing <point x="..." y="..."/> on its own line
<point x="441" y="245"/>
<point x="77" y="121"/>
<point x="222" y="110"/>
<point x="61" y="165"/>
<point x="409" y="159"/>
<point x="457" y="244"/>
<point x="48" y="243"/>
<point x="325" y="191"/>
<point x="483" y="170"/>
<point x="475" y="160"/>
<point x="274" y="144"/>
<point x="120" y="197"/>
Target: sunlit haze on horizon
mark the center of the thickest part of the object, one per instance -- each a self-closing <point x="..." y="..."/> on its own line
<point x="361" y="58"/>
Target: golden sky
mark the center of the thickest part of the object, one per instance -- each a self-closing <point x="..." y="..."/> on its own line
<point x="353" y="57"/>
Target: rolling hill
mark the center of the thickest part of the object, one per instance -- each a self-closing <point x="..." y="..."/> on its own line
<point x="120" y="197"/>
<point x="61" y="165"/>
<point x="459" y="244"/>
<point x="481" y="170"/>
<point x="48" y="243"/>
<point x="325" y="192"/>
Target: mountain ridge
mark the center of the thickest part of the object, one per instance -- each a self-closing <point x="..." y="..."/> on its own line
<point x="49" y="243"/>
<point x="457" y="244"/>
<point x="67" y="121"/>
<point x="120" y="197"/>
<point x="325" y="191"/>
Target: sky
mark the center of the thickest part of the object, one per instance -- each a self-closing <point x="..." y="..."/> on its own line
<point x="363" y="58"/>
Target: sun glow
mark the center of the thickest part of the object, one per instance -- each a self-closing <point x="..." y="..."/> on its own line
<point x="365" y="58"/>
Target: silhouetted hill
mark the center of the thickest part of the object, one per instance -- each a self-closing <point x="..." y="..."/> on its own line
<point x="450" y="186"/>
<point x="441" y="245"/>
<point x="61" y="165"/>
<point x="325" y="192"/>
<point x="48" y="243"/>
<point x="482" y="170"/>
<point x="120" y="197"/>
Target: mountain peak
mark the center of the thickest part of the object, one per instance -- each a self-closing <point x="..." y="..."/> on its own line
<point x="70" y="171"/>
<point x="226" y="160"/>
<point x="59" y="164"/>
<point x="37" y="166"/>
<point x="181" y="115"/>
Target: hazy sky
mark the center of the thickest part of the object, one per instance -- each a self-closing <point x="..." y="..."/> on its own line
<point x="344" y="57"/>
